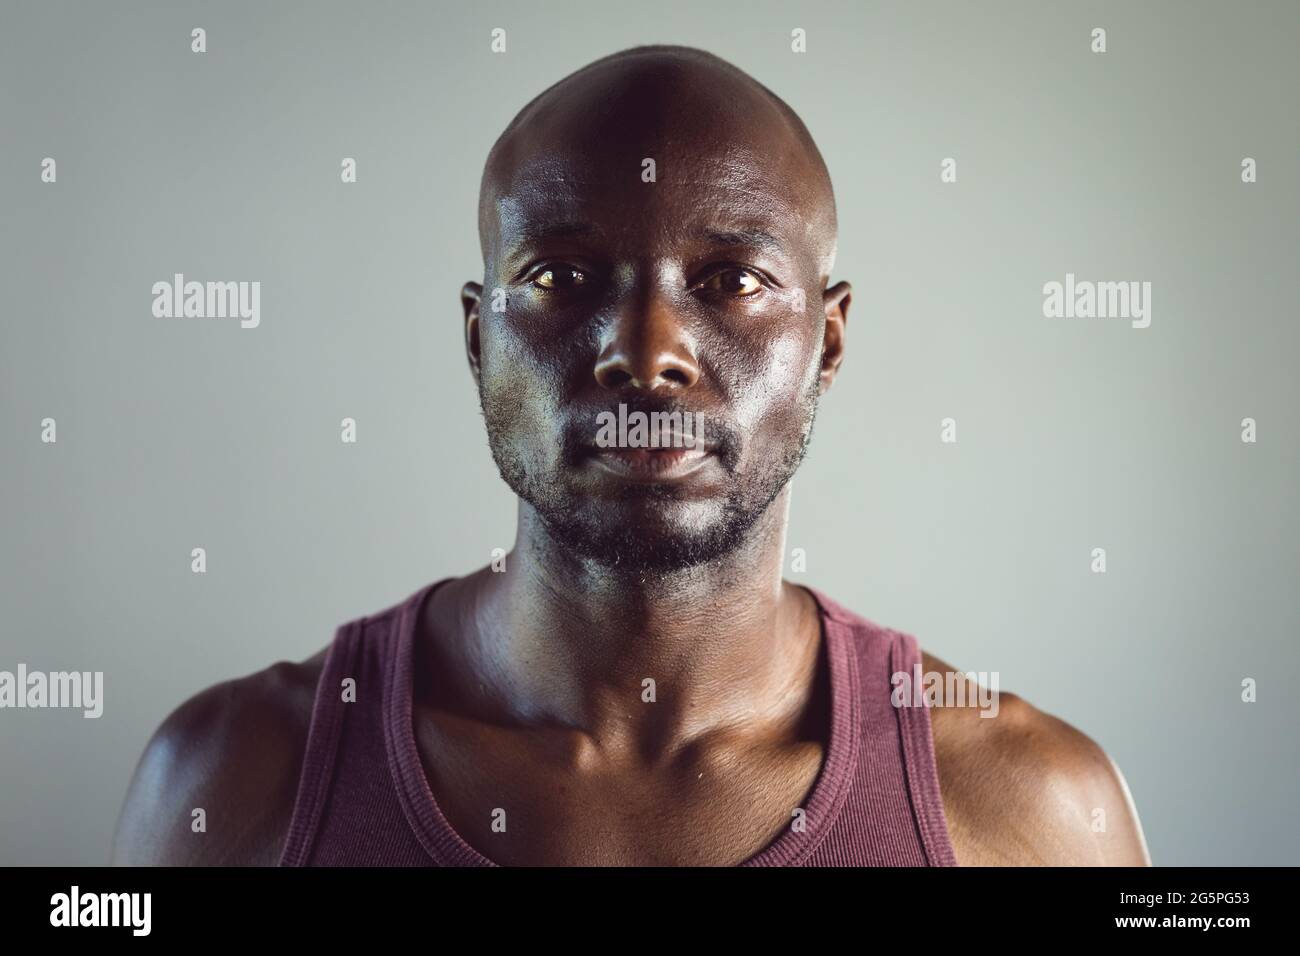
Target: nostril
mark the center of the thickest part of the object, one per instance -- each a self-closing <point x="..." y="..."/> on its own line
<point x="675" y="375"/>
<point x="615" y="378"/>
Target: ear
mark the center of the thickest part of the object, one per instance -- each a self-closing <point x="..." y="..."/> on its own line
<point x="835" y="302"/>
<point x="471" y="297"/>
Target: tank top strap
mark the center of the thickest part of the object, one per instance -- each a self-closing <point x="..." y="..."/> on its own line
<point x="347" y="810"/>
<point x="322" y="745"/>
<point x="895" y="814"/>
<point x="922" y="768"/>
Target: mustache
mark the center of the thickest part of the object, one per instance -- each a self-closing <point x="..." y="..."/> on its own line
<point x="578" y="434"/>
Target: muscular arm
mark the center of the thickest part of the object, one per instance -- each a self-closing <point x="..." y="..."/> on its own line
<point x="235" y="751"/>
<point x="1027" y="789"/>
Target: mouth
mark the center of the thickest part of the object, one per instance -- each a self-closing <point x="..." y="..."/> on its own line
<point x="650" y="464"/>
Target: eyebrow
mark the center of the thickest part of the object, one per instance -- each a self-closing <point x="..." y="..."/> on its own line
<point x="757" y="238"/>
<point x="536" y="233"/>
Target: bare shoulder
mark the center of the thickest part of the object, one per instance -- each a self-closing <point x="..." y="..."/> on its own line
<point x="1024" y="788"/>
<point x="233" y="751"/>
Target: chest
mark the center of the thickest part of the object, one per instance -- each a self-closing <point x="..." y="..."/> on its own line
<point x="525" y="798"/>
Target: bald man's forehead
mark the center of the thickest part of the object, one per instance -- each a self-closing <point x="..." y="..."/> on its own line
<point x="732" y="189"/>
<point x="735" y="176"/>
<point x="769" y="158"/>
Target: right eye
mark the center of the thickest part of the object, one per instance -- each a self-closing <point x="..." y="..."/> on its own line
<point x="559" y="277"/>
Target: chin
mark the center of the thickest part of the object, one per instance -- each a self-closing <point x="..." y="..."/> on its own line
<point x="648" y="536"/>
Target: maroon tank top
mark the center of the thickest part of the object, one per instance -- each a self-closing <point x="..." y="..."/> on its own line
<point x="364" y="800"/>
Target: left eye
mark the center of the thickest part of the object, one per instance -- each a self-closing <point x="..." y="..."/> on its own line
<point x="736" y="282"/>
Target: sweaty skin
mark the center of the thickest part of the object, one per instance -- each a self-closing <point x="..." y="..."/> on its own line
<point x="672" y="287"/>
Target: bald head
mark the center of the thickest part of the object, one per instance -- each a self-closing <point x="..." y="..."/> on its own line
<point x="715" y="135"/>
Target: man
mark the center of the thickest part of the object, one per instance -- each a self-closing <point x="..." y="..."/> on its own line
<point x="634" y="683"/>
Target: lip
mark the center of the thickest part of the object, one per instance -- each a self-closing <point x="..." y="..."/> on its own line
<point x="650" y="464"/>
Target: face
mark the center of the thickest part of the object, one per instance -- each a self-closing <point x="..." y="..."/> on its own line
<point x="697" y="288"/>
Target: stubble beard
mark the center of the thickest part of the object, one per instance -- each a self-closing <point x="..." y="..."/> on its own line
<point x="577" y="527"/>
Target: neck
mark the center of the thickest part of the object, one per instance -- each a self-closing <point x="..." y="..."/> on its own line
<point x="567" y="642"/>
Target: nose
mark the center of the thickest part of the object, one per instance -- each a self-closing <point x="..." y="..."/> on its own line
<point x="647" y="347"/>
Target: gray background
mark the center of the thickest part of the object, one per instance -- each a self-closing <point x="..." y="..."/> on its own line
<point x="174" y="434"/>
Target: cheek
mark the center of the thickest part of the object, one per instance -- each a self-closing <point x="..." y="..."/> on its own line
<point x="521" y="388"/>
<point x="525" y="349"/>
<point x="771" y="394"/>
